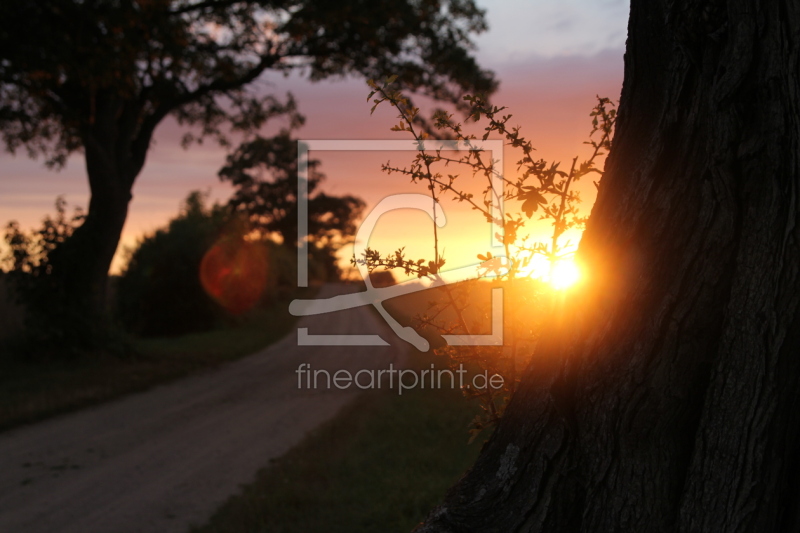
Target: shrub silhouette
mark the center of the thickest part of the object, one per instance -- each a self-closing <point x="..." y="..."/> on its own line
<point x="160" y="293"/>
<point x="204" y="269"/>
<point x="51" y="329"/>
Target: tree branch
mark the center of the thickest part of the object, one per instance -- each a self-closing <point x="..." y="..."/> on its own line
<point x="141" y="144"/>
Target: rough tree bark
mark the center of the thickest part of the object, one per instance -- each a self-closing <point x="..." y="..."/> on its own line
<point x="666" y="397"/>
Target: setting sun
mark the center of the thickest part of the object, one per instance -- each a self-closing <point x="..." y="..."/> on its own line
<point x="564" y="275"/>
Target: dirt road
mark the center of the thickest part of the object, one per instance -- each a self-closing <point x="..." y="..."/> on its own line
<point x="161" y="460"/>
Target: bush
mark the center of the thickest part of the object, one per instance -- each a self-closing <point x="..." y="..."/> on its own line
<point x="12" y="314"/>
<point x="52" y="328"/>
<point x="159" y="293"/>
<point x="202" y="270"/>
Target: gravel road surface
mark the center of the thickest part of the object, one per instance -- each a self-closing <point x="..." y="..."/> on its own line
<point x="164" y="459"/>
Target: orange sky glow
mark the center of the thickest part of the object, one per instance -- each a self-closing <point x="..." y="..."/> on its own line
<point x="549" y="96"/>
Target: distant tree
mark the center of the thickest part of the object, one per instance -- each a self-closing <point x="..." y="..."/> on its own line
<point x="98" y="77"/>
<point x="264" y="173"/>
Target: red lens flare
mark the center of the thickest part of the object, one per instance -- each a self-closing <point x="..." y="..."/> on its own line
<point x="234" y="273"/>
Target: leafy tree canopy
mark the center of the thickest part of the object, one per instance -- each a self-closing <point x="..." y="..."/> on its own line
<point x="98" y="76"/>
<point x="264" y="173"/>
<point x="75" y="73"/>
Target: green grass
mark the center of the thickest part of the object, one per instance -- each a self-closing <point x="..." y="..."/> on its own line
<point x="380" y="466"/>
<point x="33" y="391"/>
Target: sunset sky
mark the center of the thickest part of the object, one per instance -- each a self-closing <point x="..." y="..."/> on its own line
<point x="551" y="57"/>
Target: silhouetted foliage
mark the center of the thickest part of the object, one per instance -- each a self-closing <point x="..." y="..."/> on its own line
<point x="264" y="172"/>
<point x="98" y="77"/>
<point x="159" y="293"/>
<point x="50" y="327"/>
<point x="541" y="186"/>
<point x="12" y="315"/>
<point x="205" y="268"/>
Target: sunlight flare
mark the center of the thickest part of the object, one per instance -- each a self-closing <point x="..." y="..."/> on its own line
<point x="564" y="275"/>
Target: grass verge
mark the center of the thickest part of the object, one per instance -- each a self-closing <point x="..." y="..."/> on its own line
<point x="33" y="391"/>
<point x="380" y="466"/>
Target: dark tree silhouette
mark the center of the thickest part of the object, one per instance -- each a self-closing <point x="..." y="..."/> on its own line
<point x="665" y="397"/>
<point x="160" y="293"/>
<point x="98" y="77"/>
<point x="264" y="173"/>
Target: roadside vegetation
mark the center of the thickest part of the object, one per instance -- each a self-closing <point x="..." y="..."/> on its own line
<point x="31" y="390"/>
<point x="380" y="465"/>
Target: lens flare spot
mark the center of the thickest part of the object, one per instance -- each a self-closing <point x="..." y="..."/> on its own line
<point x="565" y="274"/>
<point x="234" y="273"/>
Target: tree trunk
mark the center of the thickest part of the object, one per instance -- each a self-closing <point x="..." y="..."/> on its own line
<point x="94" y="245"/>
<point x="666" y="397"/>
<point x="81" y="265"/>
